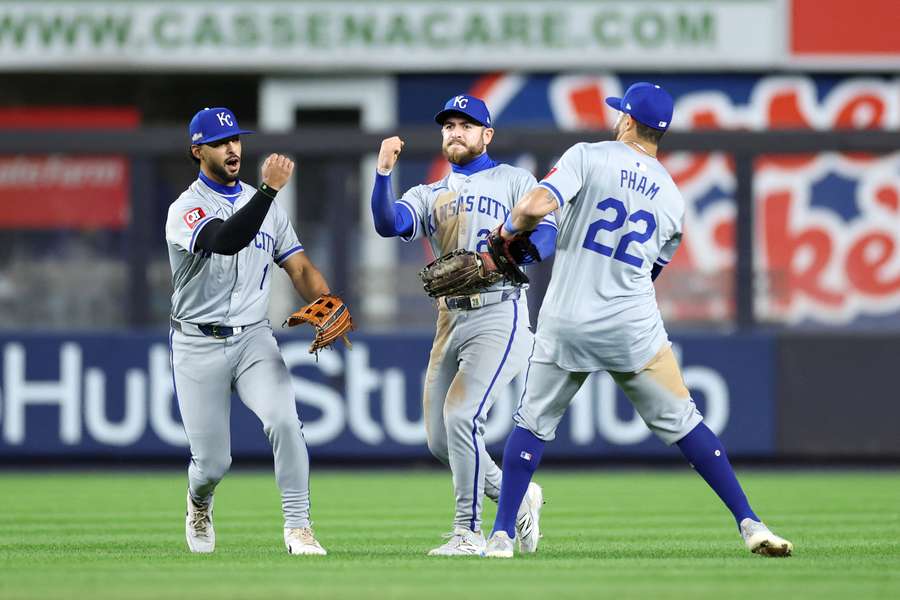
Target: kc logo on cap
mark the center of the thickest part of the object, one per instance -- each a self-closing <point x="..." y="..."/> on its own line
<point x="225" y="119"/>
<point x="213" y="124"/>
<point x="468" y="106"/>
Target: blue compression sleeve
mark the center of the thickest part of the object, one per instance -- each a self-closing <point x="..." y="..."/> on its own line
<point x="655" y="271"/>
<point x="705" y="451"/>
<point x="544" y="239"/>
<point x="389" y="221"/>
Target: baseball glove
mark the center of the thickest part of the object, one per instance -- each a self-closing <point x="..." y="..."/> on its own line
<point x="509" y="254"/>
<point x="329" y="316"/>
<point x="463" y="272"/>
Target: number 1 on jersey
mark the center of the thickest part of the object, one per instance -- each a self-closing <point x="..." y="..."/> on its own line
<point x="621" y="251"/>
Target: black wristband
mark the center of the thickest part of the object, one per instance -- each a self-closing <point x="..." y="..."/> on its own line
<point x="268" y="190"/>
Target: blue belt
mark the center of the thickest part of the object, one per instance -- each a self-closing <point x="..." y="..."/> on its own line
<point x="219" y="331"/>
<point x="482" y="299"/>
<point x="209" y="329"/>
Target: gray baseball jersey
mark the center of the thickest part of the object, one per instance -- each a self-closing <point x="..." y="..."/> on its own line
<point x="215" y="288"/>
<point x="459" y="211"/>
<point x="620" y="212"/>
<point x="476" y="353"/>
<point x="232" y="291"/>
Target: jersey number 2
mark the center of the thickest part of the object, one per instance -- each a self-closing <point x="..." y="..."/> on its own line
<point x="621" y="215"/>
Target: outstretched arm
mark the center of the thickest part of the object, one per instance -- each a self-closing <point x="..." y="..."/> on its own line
<point x="528" y="212"/>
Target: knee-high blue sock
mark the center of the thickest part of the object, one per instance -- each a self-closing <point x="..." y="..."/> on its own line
<point x="705" y="451"/>
<point x="521" y="458"/>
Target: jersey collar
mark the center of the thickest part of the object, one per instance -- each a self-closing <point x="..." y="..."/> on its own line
<point x="478" y="164"/>
<point x="229" y="192"/>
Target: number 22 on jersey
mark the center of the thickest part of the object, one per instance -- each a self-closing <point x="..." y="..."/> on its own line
<point x="617" y="222"/>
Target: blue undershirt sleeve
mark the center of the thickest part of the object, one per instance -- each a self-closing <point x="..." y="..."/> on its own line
<point x="389" y="222"/>
<point x="544" y="239"/>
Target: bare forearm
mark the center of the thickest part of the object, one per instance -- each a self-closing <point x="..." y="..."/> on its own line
<point x="528" y="212"/>
<point x="522" y="221"/>
<point x="309" y="283"/>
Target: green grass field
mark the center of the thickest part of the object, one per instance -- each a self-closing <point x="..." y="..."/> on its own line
<point x="642" y="534"/>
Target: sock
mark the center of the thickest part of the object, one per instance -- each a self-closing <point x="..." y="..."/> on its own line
<point x="521" y="458"/>
<point x="705" y="451"/>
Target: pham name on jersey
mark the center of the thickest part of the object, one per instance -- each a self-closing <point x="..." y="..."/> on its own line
<point x="639" y="183"/>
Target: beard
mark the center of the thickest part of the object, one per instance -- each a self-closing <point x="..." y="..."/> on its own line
<point x="459" y="153"/>
<point x="618" y="129"/>
<point x="221" y="171"/>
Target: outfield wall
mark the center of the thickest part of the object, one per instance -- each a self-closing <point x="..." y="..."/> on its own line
<point x="111" y="395"/>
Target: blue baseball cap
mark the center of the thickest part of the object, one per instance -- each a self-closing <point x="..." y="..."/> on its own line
<point x="468" y="106"/>
<point x="647" y="103"/>
<point x="212" y="124"/>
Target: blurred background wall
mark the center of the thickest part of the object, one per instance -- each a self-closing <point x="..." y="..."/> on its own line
<point x="783" y="301"/>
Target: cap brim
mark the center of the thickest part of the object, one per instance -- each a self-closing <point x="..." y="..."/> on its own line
<point x="614" y="102"/>
<point x="224" y="136"/>
<point x="442" y="116"/>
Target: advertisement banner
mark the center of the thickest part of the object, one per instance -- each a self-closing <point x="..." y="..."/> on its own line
<point x="396" y="35"/>
<point x="65" y="192"/>
<point x="867" y="36"/>
<point x="826" y="247"/>
<point x="68" y="396"/>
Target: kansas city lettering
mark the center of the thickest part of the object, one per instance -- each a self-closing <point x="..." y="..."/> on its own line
<point x="629" y="179"/>
<point x="264" y="242"/>
<point x="469" y="204"/>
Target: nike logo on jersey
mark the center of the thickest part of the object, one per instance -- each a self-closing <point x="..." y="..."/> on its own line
<point x="639" y="183"/>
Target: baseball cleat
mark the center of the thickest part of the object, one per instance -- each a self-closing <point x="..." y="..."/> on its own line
<point x="499" y="546"/>
<point x="528" y="531"/>
<point x="198" y="526"/>
<point x="462" y="542"/>
<point x="301" y="540"/>
<point x="760" y="540"/>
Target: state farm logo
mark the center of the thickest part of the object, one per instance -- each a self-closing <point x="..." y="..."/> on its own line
<point x="194" y="216"/>
<point x="43" y="172"/>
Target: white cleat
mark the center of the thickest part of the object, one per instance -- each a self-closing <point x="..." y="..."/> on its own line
<point x="462" y="542"/>
<point x="198" y="526"/>
<point x="499" y="546"/>
<point x="528" y="530"/>
<point x="760" y="540"/>
<point x="301" y="540"/>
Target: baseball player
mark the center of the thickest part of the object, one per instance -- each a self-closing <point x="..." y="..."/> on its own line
<point x="483" y="340"/>
<point x="620" y="221"/>
<point x="224" y="237"/>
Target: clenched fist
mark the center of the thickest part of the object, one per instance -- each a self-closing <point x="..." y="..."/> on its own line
<point x="276" y="170"/>
<point x="390" y="151"/>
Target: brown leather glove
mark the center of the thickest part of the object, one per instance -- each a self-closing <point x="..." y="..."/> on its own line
<point x="329" y="316"/>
